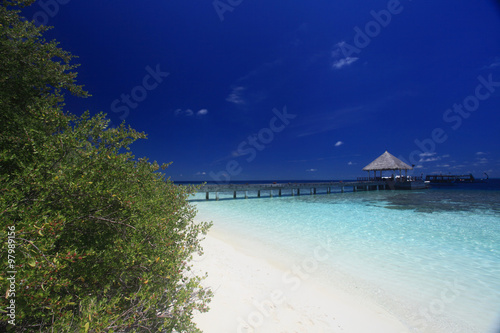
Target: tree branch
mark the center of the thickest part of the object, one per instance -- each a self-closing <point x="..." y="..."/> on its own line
<point x="30" y="242"/>
<point x="111" y="221"/>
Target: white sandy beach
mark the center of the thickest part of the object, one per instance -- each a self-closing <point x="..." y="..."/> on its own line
<point x="253" y="294"/>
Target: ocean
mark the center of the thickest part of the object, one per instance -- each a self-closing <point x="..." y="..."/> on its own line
<point x="431" y="257"/>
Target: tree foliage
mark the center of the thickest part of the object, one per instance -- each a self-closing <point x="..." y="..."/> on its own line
<point x="103" y="240"/>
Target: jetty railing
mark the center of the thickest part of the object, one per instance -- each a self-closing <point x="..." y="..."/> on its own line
<point x="291" y="188"/>
<point x="397" y="178"/>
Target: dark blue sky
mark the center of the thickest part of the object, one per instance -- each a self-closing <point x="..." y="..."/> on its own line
<point x="260" y="89"/>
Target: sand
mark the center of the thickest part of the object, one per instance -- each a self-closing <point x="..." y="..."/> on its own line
<point x="253" y="294"/>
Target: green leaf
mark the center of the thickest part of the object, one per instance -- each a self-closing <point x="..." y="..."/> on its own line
<point x="32" y="262"/>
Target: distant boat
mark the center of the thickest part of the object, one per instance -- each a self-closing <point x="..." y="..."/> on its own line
<point x="453" y="179"/>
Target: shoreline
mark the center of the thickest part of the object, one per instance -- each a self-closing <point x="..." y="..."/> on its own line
<point x="255" y="293"/>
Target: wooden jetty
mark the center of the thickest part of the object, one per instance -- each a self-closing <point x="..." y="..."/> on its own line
<point x="292" y="189"/>
<point x="385" y="162"/>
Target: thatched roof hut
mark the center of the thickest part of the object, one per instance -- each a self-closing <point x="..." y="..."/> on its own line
<point x="386" y="161"/>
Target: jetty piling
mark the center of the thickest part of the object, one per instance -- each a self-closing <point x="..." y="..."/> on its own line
<point x="292" y="188"/>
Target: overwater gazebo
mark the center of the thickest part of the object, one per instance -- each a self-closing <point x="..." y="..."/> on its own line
<point x="387" y="162"/>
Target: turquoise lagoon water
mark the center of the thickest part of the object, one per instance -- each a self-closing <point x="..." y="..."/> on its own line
<point x="431" y="257"/>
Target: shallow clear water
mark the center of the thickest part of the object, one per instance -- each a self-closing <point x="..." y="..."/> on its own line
<point x="430" y="257"/>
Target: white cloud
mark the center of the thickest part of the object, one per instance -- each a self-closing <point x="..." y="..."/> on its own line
<point x="200" y="173"/>
<point x="480" y="159"/>
<point x="350" y="163"/>
<point x="340" y="59"/>
<point x="341" y="63"/>
<point x="339" y="143"/>
<point x="430" y="159"/>
<point x="235" y="96"/>
<point x="443" y="165"/>
<point x="418" y="166"/>
<point x="311" y="170"/>
<point x="190" y="113"/>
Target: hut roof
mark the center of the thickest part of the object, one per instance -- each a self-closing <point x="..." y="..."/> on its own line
<point x="387" y="161"/>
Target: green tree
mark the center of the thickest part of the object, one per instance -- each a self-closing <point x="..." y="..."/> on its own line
<point x="102" y="240"/>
